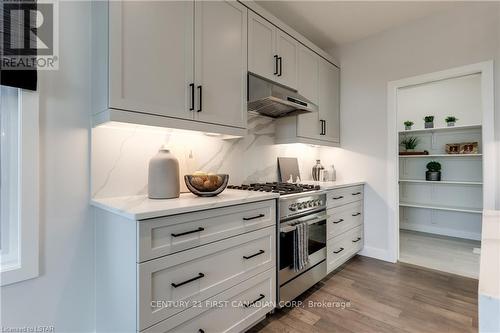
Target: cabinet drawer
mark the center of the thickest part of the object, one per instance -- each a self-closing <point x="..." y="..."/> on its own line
<point x="344" y="218"/>
<point x="226" y="312"/>
<point x="344" y="195"/>
<point x="342" y="247"/>
<point x="167" y="235"/>
<point x="197" y="274"/>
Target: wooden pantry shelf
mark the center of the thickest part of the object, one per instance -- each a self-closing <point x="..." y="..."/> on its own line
<point x="441" y="129"/>
<point x="441" y="155"/>
<point x="449" y="182"/>
<point x="446" y="208"/>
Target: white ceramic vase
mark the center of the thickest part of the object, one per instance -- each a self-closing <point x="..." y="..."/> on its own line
<point x="163" y="178"/>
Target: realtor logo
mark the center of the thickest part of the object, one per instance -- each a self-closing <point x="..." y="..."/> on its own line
<point x="29" y="35"/>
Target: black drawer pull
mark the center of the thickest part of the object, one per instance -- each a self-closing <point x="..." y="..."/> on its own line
<point x="201" y="98"/>
<point x="254" y="255"/>
<point x="356" y="240"/>
<point x="356" y="214"/>
<point x="341" y="249"/>
<point x="253" y="217"/>
<point x="275" y="64"/>
<point x="191" y="85"/>
<point x="188" y="232"/>
<point x="337" y="198"/>
<point x="200" y="275"/>
<point x="337" y="222"/>
<point x="258" y="299"/>
<point x="357" y="193"/>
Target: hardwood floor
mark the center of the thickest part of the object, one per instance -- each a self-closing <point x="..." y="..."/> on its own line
<point x="382" y="297"/>
<point x="447" y="254"/>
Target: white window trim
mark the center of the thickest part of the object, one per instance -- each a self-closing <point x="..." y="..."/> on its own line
<point x="27" y="264"/>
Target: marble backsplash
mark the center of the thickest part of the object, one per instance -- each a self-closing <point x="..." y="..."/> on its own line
<point x="121" y="153"/>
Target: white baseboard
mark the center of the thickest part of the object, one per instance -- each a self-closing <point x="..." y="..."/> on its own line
<point x="377" y="253"/>
<point x="439" y="231"/>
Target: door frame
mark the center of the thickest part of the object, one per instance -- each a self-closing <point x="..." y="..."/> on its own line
<point x="488" y="140"/>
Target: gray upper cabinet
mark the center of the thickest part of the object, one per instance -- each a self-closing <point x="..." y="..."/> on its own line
<point x="147" y="74"/>
<point x="180" y="64"/>
<point x="286" y="49"/>
<point x="221" y="62"/>
<point x="329" y="101"/>
<point x="319" y="81"/>
<point x="272" y="53"/>
<point x="262" y="57"/>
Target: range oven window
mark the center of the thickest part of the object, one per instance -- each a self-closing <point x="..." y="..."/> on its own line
<point x="317" y="242"/>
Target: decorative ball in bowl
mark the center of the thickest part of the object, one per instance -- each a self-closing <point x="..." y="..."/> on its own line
<point x="206" y="184"/>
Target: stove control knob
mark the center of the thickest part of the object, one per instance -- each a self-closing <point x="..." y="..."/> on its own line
<point x="292" y="207"/>
<point x="310" y="203"/>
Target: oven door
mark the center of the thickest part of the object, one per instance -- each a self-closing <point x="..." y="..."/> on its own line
<point x="316" y="247"/>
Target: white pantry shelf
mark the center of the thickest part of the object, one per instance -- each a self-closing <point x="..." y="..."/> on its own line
<point x="449" y="182"/>
<point x="441" y="155"/>
<point x="447" y="208"/>
<point x="441" y="129"/>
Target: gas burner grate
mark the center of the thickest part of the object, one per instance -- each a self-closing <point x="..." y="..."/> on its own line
<point x="276" y="187"/>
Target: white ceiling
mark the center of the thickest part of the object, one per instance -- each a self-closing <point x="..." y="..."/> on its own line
<point x="330" y="24"/>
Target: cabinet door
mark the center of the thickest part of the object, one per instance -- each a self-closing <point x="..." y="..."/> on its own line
<point x="329" y="106"/>
<point x="287" y="49"/>
<point x="221" y="62"/>
<point x="308" y="125"/>
<point x="262" y="47"/>
<point x="308" y="71"/>
<point x="151" y="56"/>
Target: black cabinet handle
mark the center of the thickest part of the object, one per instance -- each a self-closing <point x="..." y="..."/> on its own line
<point x="341" y="249"/>
<point x="253" y="217"/>
<point x="254" y="255"/>
<point x="324" y="127"/>
<point x="321" y="132"/>
<point x="356" y="214"/>
<point x="275" y="64"/>
<point x="337" y="198"/>
<point x="200" y="275"/>
<point x="357" y="193"/>
<point x="188" y="232"/>
<point x="201" y="98"/>
<point x="201" y="331"/>
<point x="280" y="61"/>
<point x="261" y="296"/>
<point x="356" y="240"/>
<point x="191" y="108"/>
<point x="337" y="222"/>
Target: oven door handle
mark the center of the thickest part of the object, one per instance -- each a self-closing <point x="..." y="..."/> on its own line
<point x="288" y="228"/>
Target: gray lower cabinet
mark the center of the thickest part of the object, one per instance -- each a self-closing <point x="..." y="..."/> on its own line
<point x="345" y="226"/>
<point x="199" y="271"/>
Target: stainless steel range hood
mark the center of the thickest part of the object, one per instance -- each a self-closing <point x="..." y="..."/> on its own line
<point x="276" y="101"/>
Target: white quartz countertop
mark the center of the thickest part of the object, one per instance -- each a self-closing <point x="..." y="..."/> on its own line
<point x="335" y="184"/>
<point x="140" y="207"/>
<point x="489" y="275"/>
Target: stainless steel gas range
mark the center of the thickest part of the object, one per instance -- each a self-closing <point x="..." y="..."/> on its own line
<point x="298" y="203"/>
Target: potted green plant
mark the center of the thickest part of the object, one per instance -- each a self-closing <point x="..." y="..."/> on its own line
<point x="429" y="121"/>
<point x="410" y="143"/>
<point x="433" y="172"/>
<point x="450" y="120"/>
<point x="408" y="125"/>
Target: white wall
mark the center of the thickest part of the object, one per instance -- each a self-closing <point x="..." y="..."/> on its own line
<point x="462" y="36"/>
<point x="459" y="97"/>
<point x="63" y="294"/>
